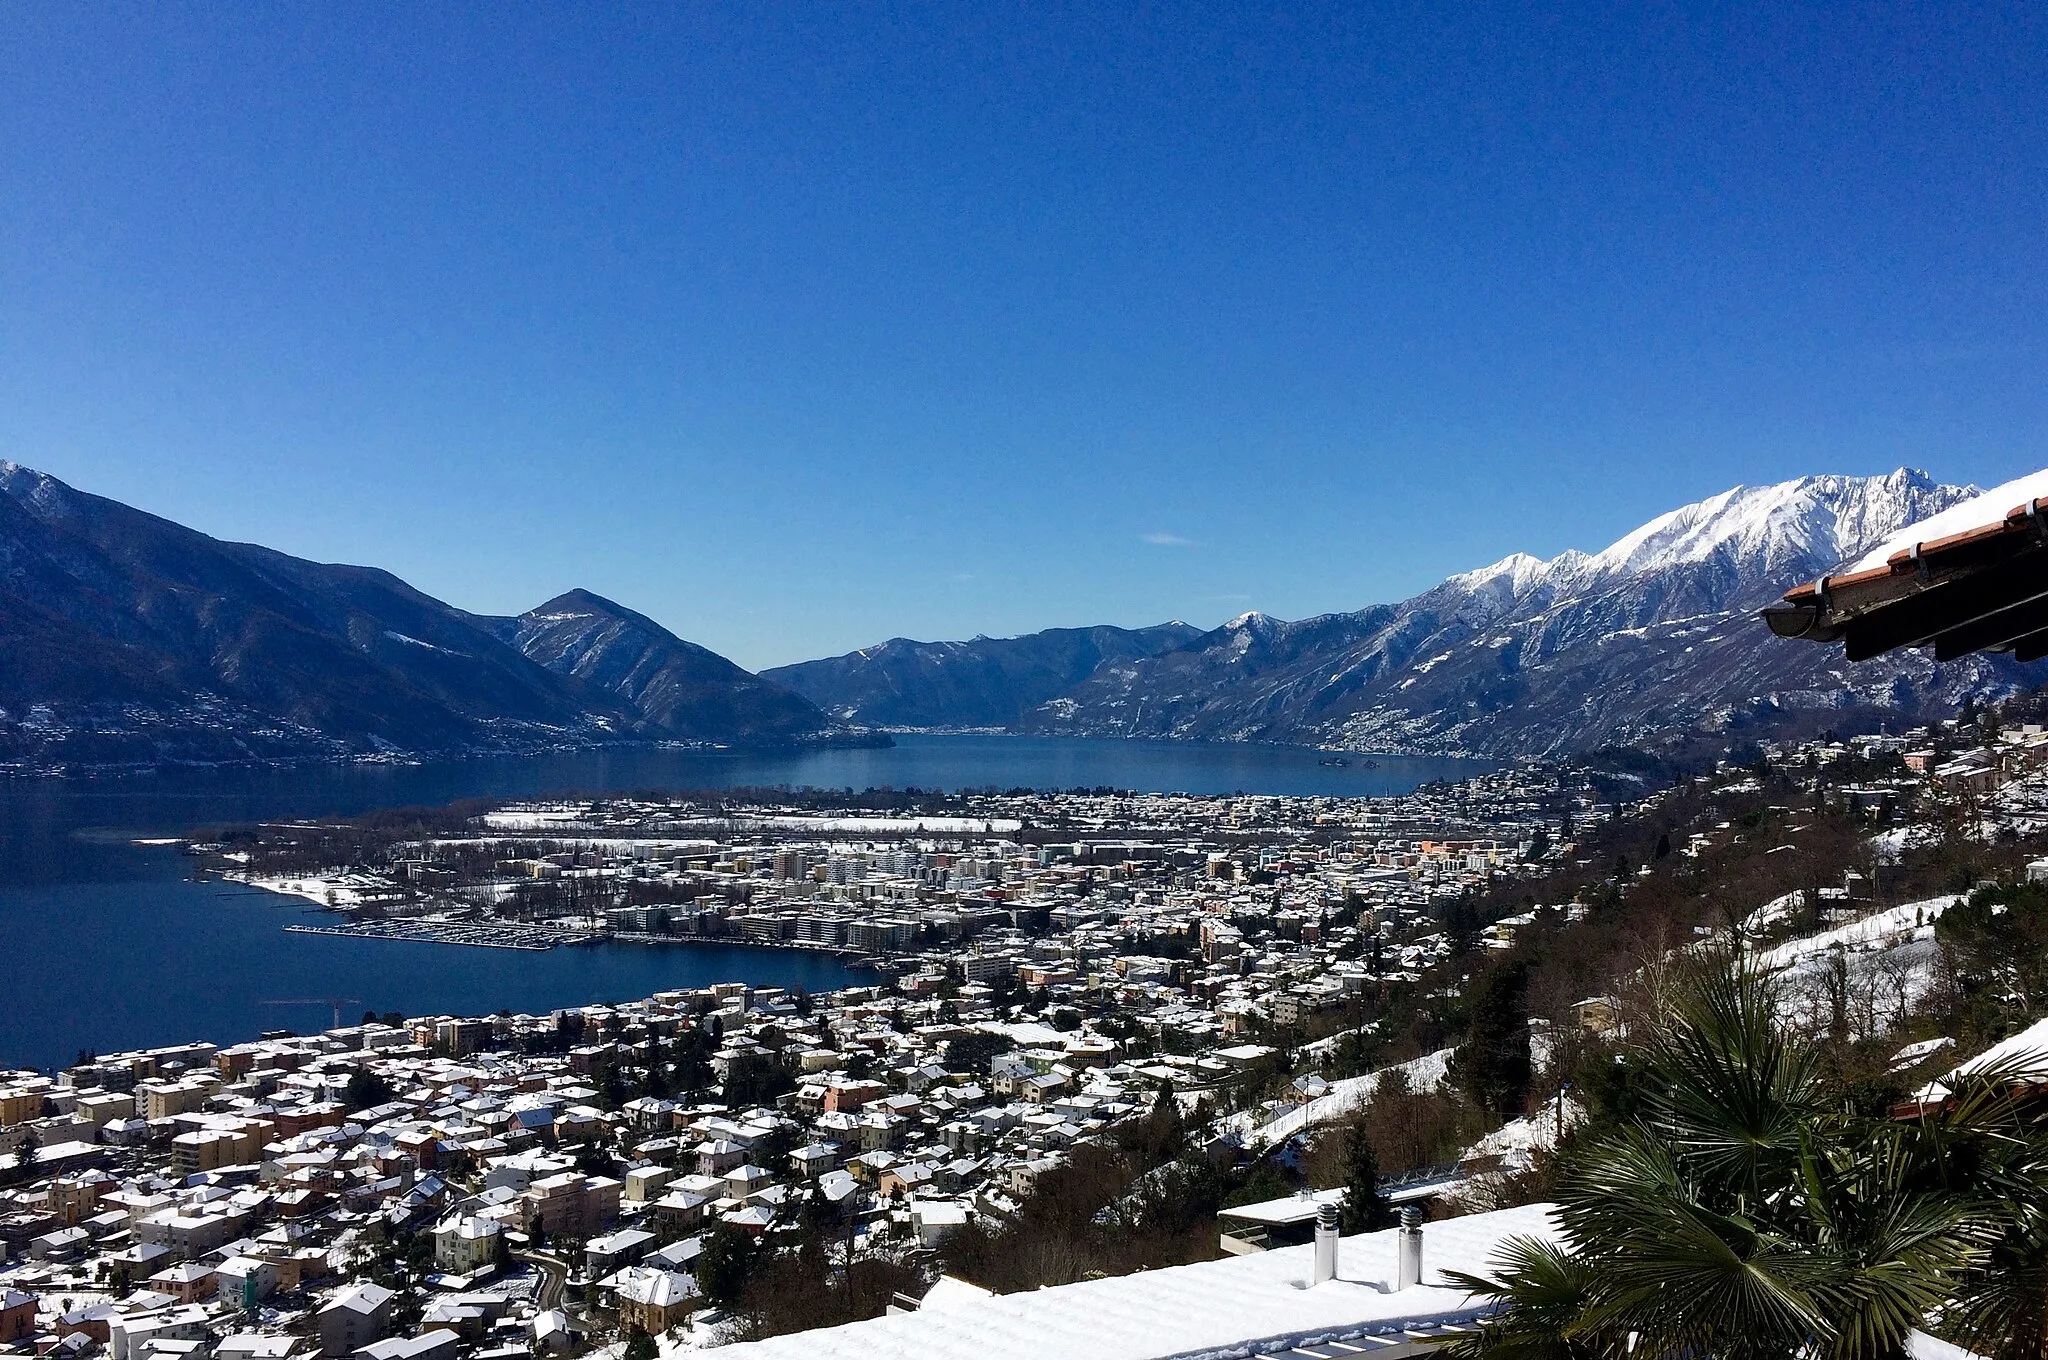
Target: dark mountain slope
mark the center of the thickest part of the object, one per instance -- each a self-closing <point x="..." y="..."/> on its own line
<point x="988" y="682"/>
<point x="124" y="636"/>
<point x="679" y="687"/>
<point x="348" y="651"/>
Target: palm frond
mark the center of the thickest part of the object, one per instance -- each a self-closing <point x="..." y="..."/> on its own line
<point x="1542" y="1290"/>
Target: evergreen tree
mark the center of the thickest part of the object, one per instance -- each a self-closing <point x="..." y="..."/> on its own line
<point x="1462" y="923"/>
<point x="1365" y="1208"/>
<point x="1165" y="1132"/>
<point x="27" y="1153"/>
<point x="1492" y="1065"/>
<point x="593" y="1159"/>
<point x="611" y="1090"/>
<point x="366" y="1090"/>
<point x="693" y="1061"/>
<point x="725" y="1265"/>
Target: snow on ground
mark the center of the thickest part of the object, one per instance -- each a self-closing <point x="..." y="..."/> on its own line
<point x="535" y="819"/>
<point x="342" y="890"/>
<point x="1887" y="969"/>
<point x="1771" y="913"/>
<point x="1879" y="930"/>
<point x="981" y="826"/>
<point x="1316" y="1048"/>
<point x="1349" y="1096"/>
<point x="1888" y="846"/>
<point x="1515" y="1145"/>
<point x="640" y="847"/>
<point x="1518" y="1141"/>
<point x="564" y="821"/>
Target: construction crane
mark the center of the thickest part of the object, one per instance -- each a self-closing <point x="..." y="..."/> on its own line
<point x="337" y="1002"/>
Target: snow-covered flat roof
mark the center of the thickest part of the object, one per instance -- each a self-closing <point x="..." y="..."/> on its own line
<point x="1286" y="1209"/>
<point x="1257" y="1302"/>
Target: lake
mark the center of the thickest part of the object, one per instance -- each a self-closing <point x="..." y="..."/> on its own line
<point x="115" y="946"/>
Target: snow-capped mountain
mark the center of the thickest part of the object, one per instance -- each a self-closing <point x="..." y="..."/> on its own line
<point x="1652" y="636"/>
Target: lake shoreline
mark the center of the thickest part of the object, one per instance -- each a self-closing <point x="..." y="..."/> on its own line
<point x="126" y="947"/>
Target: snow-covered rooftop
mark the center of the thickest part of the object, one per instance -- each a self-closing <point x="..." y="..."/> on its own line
<point x="1986" y="507"/>
<point x="1238" y="1305"/>
<point x="2022" y="1055"/>
<point x="1286" y="1209"/>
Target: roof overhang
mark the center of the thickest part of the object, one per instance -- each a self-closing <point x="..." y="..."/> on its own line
<point x="1984" y="589"/>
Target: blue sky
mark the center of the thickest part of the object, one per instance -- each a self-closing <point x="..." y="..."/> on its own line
<point x="798" y="330"/>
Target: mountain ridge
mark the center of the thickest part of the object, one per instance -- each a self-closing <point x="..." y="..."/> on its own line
<point x="980" y="683"/>
<point x="1649" y="639"/>
<point x="126" y="637"/>
<point x="685" y="690"/>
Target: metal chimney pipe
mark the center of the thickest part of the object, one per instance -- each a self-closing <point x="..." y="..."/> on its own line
<point x="1326" y="1243"/>
<point x="1408" y="1238"/>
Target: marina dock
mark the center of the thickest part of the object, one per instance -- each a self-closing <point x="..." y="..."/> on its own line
<point x="494" y="935"/>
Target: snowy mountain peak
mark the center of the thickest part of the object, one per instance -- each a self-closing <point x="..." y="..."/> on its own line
<point x="1979" y="509"/>
<point x="1514" y="573"/>
<point x="1786" y="530"/>
<point x="1650" y="639"/>
<point x="1784" y="526"/>
<point x="43" y="494"/>
<point x="1515" y="566"/>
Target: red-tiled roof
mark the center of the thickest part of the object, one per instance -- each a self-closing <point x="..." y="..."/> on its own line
<point x="1982" y="589"/>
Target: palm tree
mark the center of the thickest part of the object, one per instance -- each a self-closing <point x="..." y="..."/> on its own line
<point x="1752" y="1210"/>
<point x="1996" y="1133"/>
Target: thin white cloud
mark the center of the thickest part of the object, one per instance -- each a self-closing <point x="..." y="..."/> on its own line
<point x="1165" y="540"/>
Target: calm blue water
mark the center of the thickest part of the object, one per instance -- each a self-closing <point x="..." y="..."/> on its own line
<point x="110" y="945"/>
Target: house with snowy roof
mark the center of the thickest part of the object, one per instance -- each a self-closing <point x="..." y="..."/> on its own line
<point x="439" y="1343"/>
<point x="2020" y="1060"/>
<point x="654" y="1300"/>
<point x="354" y="1318"/>
<point x="17" y="1314"/>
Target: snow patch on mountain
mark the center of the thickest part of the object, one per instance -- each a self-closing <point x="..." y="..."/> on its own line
<point x="1516" y="572"/>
